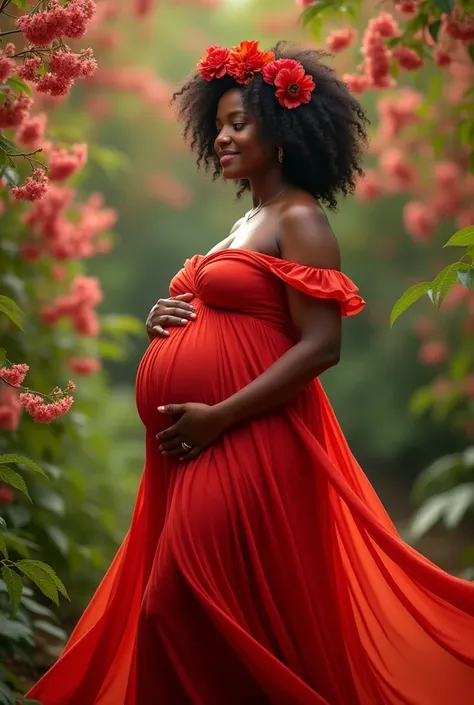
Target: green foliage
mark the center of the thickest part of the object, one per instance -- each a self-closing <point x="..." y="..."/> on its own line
<point x="460" y="271"/>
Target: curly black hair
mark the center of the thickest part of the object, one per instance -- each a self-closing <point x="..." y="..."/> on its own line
<point x="323" y="141"/>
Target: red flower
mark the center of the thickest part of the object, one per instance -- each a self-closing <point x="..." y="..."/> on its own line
<point x="246" y="60"/>
<point x="271" y="70"/>
<point x="214" y="63"/>
<point x="7" y="495"/>
<point x="294" y="87"/>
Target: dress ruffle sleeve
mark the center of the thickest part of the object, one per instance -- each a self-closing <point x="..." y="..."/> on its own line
<point x="320" y="283"/>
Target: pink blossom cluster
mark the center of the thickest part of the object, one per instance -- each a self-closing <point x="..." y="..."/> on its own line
<point x="83" y="365"/>
<point x="10" y="408"/>
<point x="7" y="495"/>
<point x="340" y="39"/>
<point x="7" y="66"/>
<point x="457" y="30"/>
<point x="14" y="110"/>
<point x="45" y="411"/>
<point x="54" y="234"/>
<point x="63" y="68"/>
<point x="15" y="374"/>
<point x="57" y="22"/>
<point x="77" y="305"/>
<point x="34" y="188"/>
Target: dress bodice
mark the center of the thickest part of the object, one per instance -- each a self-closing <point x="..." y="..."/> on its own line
<point x="254" y="283"/>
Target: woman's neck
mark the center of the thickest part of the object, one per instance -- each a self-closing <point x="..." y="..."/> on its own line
<point x="263" y="189"/>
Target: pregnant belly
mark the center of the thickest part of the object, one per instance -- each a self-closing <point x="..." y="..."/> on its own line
<point x="206" y="361"/>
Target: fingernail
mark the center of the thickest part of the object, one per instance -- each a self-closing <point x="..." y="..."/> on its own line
<point x="183" y="320"/>
<point x="160" y="447"/>
<point x="161" y="409"/>
<point x="193" y="315"/>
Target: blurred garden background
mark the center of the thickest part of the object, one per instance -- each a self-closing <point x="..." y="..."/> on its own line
<point x="125" y="206"/>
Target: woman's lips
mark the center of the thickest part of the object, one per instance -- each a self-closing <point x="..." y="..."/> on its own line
<point x="227" y="158"/>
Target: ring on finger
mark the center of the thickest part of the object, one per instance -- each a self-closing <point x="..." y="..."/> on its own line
<point x="186" y="447"/>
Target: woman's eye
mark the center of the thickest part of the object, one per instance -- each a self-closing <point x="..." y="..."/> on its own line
<point x="238" y="126"/>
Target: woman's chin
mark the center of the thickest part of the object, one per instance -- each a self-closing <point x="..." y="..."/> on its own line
<point x="232" y="173"/>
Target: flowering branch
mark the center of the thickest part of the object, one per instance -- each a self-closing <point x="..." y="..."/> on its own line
<point x="58" y="402"/>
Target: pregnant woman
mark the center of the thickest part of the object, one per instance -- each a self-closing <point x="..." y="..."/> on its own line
<point x="260" y="566"/>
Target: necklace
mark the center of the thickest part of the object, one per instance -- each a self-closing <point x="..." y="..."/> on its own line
<point x="251" y="213"/>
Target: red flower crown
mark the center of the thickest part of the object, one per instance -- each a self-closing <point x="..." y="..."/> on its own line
<point x="243" y="62"/>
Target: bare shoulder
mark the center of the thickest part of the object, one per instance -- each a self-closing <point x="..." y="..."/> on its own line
<point x="306" y="235"/>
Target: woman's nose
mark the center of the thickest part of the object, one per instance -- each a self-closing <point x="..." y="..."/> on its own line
<point x="222" y="138"/>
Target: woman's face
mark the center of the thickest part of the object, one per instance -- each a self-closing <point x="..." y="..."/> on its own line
<point x="242" y="151"/>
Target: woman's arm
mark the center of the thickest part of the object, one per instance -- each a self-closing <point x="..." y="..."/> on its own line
<point x="306" y="238"/>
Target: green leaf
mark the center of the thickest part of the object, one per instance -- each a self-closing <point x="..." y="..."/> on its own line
<point x="444" y="5"/>
<point x="13" y="478"/>
<point x="40" y="566"/>
<point x="434" y="28"/>
<point x="6" y="144"/>
<point x="426" y="517"/>
<point x="35" y="608"/>
<point x="12" y="458"/>
<point x="311" y="12"/>
<point x="444" y="282"/>
<point x="467" y="278"/>
<point x="14" y="586"/>
<point x="40" y="578"/>
<point x="11" y="309"/>
<point x="3" y="524"/>
<point x="22" y="4"/>
<point x="462" y="238"/>
<point x="3" y="546"/>
<point x="421" y="400"/>
<point x="43" y="626"/>
<point x="459" y="500"/>
<point x="408" y="298"/>
<point x="19" y="86"/>
<point x="466" y="132"/>
<point x="3" y="356"/>
<point x="121" y="324"/>
<point x="10" y="175"/>
<point x="470" y="50"/>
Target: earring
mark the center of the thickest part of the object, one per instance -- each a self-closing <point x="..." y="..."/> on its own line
<point x="280" y="155"/>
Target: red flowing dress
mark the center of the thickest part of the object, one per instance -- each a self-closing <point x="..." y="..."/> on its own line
<point x="266" y="570"/>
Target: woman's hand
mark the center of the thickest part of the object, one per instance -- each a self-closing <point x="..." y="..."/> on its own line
<point x="198" y="426"/>
<point x="176" y="311"/>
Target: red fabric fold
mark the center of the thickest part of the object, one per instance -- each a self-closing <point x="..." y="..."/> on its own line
<point x="266" y="571"/>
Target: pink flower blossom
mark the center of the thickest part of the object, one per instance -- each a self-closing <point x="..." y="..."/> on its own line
<point x="84" y="365"/>
<point x="42" y="28"/>
<point x="407" y="7"/>
<point x="394" y="163"/>
<point x="420" y="221"/>
<point x="31" y="131"/>
<point x="370" y="187"/>
<point x="14" y="111"/>
<point x="14" y="374"/>
<point x="434" y="352"/>
<point x="407" y="58"/>
<point x="10" y="49"/>
<point x="341" y="39"/>
<point x="465" y="217"/>
<point x="458" y="26"/>
<point x="7" y="67"/>
<point x="398" y="111"/>
<point x="28" y="71"/>
<point x="54" y="85"/>
<point x="45" y="412"/>
<point x="441" y="56"/>
<point x="141" y="8"/>
<point x="10" y="408"/>
<point x="68" y="66"/>
<point x="385" y="24"/>
<point x="357" y="83"/>
<point x="34" y="188"/>
<point x="63" y="164"/>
